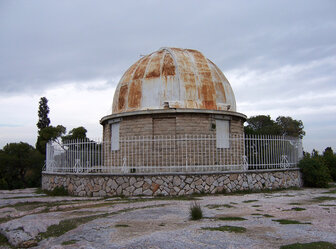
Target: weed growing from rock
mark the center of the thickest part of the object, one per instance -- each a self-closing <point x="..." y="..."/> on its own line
<point x="121" y="225"/>
<point x="324" y="198"/>
<point x="231" y="218"/>
<point x="248" y="201"/>
<point x="288" y="222"/>
<point x="69" y="242"/>
<point x="195" y="211"/>
<point x="298" y="209"/>
<point x="232" y="229"/>
<point x="312" y="245"/>
<point x="57" y="191"/>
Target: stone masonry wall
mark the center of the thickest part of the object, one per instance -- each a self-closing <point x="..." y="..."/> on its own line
<point x="174" y="184"/>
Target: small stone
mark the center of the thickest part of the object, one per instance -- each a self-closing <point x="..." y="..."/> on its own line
<point x="147" y="192"/>
<point x="132" y="181"/>
<point x="114" y="185"/>
<point x="146" y="186"/>
<point x="189" y="180"/>
<point x="125" y="185"/>
<point x="176" y="189"/>
<point x="120" y="180"/>
<point x="148" y="180"/>
<point x="138" y="191"/>
<point x="155" y="187"/>
<point x="176" y="181"/>
<point x="130" y="189"/>
<point x="159" y="181"/>
<point x="138" y="184"/>
<point x="198" y="182"/>
<point x="209" y="180"/>
<point x="109" y="182"/>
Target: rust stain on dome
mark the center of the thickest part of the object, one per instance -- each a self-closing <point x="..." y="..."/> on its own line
<point x="183" y="78"/>
<point x="168" y="67"/>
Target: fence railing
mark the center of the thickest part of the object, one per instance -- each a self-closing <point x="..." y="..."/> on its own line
<point x="185" y="153"/>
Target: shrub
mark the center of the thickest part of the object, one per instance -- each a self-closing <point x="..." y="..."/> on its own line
<point x="57" y="191"/>
<point x="314" y="172"/>
<point x="196" y="211"/>
<point x="329" y="159"/>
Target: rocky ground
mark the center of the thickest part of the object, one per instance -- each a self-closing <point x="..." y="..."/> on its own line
<point x="35" y="220"/>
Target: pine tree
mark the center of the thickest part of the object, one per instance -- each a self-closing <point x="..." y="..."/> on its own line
<point x="43" y="120"/>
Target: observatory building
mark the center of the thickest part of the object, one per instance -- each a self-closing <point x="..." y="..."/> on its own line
<point x="174" y="130"/>
<point x="173" y="92"/>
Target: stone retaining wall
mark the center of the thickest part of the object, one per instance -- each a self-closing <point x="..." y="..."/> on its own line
<point x="170" y="184"/>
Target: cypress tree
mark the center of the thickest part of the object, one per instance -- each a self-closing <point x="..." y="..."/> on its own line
<point x="43" y="111"/>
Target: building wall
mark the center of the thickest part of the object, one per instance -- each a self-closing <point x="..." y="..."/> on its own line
<point x="161" y="124"/>
<point x="171" y="184"/>
<point x="167" y="124"/>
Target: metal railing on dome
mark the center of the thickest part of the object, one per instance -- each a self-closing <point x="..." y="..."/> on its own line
<point x="185" y="153"/>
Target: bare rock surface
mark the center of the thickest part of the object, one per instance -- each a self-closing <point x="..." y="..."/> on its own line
<point x="164" y="222"/>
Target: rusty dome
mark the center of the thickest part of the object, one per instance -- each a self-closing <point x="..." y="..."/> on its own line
<point x="173" y="78"/>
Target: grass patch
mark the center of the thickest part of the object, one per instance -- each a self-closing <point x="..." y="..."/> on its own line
<point x="232" y="229"/>
<point x="24" y="197"/>
<point x="330" y="192"/>
<point x="67" y="225"/>
<point x="256" y="214"/>
<point x="70" y="224"/>
<point x="288" y="222"/>
<point x="268" y="215"/>
<point x="162" y="224"/>
<point x="195" y="211"/>
<point x="231" y="218"/>
<point x="324" y="198"/>
<point x="295" y="203"/>
<point x="256" y="206"/>
<point x="121" y="225"/>
<point x="213" y="206"/>
<point x="249" y="201"/>
<point x="57" y="191"/>
<point x="4" y="242"/>
<point x="312" y="245"/>
<point x="266" y="191"/>
<point x="69" y="242"/>
<point x="327" y="205"/>
<point x="298" y="209"/>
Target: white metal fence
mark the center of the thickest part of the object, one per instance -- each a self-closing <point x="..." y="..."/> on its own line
<point x="185" y="153"/>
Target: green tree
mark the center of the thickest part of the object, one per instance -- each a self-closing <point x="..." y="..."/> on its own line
<point x="20" y="166"/>
<point x="314" y="171"/>
<point x="49" y="133"/>
<point x="262" y="125"/>
<point x="75" y="133"/>
<point x="283" y="126"/>
<point x="290" y="127"/>
<point x="43" y="111"/>
<point x="330" y="160"/>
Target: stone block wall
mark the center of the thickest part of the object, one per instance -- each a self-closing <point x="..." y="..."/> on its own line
<point x="186" y="123"/>
<point x="174" y="124"/>
<point x="170" y="184"/>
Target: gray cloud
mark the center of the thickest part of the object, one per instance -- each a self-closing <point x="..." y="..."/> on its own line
<point x="280" y="56"/>
<point x="44" y="43"/>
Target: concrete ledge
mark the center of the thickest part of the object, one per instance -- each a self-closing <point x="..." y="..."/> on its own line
<point x="172" y="111"/>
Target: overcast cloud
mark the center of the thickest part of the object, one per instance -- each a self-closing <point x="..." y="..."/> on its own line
<point x="280" y="57"/>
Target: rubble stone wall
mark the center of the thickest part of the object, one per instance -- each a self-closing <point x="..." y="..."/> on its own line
<point x="170" y="184"/>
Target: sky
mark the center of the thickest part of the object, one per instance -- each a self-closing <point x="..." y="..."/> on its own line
<point x="279" y="56"/>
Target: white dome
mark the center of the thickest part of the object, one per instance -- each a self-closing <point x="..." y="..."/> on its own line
<point x="173" y="78"/>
